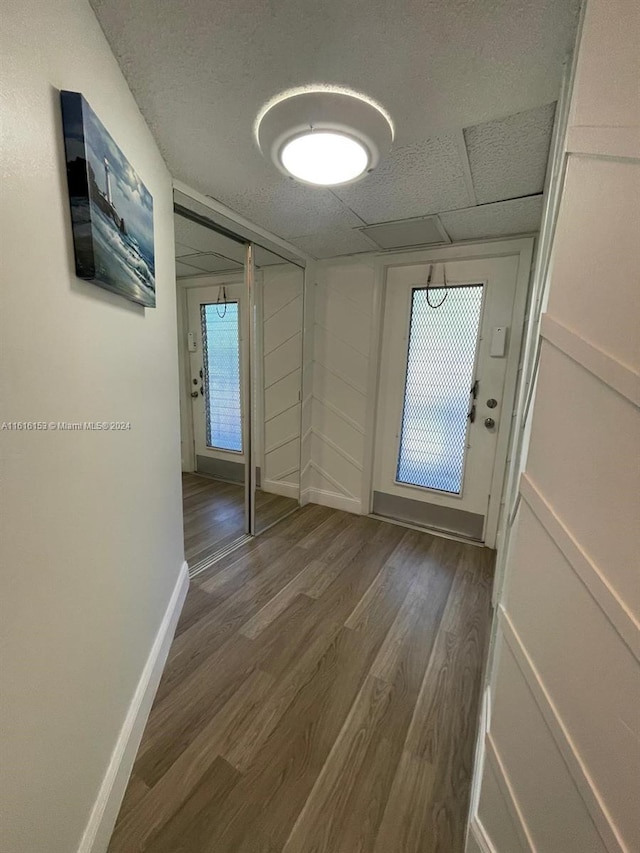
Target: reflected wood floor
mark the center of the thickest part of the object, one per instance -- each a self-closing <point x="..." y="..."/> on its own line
<point x="321" y="696"/>
<point x="214" y="514"/>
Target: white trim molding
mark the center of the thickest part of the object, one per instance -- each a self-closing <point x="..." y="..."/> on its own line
<point x="331" y="499"/>
<point x="603" y="366"/>
<point x="97" y="834"/>
<point x="281" y="487"/>
<point x="508" y="795"/>
<point x="591" y="796"/>
<point x="603" y="594"/>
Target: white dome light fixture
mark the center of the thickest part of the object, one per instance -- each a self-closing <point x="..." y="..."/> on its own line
<point x="324" y="138"/>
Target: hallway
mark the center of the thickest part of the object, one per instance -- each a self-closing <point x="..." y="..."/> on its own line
<point x="321" y="694"/>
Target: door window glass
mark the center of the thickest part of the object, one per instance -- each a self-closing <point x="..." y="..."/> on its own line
<point x="439" y="376"/>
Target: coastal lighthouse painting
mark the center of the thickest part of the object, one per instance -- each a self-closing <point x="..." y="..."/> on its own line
<point x="111" y="209"/>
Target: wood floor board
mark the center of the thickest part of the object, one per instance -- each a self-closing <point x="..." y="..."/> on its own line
<point x="137" y="789"/>
<point x="235" y="599"/>
<point x="187" y="771"/>
<point x="275" y="786"/>
<point x="315" y="828"/>
<point x="320" y="696"/>
<point x="403" y="826"/>
<point x="187" y="830"/>
<point x="214" y="514"/>
<point x="197" y="604"/>
<point x="176" y="722"/>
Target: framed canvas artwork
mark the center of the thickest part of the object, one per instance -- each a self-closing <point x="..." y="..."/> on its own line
<point x="111" y="209"/>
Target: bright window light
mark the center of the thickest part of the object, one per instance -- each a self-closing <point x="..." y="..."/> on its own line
<point x="325" y="158"/>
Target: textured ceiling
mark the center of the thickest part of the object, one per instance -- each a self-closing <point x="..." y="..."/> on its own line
<point x="470" y="85"/>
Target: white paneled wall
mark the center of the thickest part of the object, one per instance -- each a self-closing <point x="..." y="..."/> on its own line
<point x="561" y="769"/>
<point x="282" y="306"/>
<point x="335" y="432"/>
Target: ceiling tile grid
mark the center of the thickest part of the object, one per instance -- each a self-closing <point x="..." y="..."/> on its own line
<point x="191" y="238"/>
<point x="413" y="180"/>
<point x="288" y="209"/>
<point x="508" y="156"/>
<point x="206" y="71"/>
<point x="330" y="243"/>
<point x="516" y="216"/>
<point x="206" y="262"/>
<point x="184" y="270"/>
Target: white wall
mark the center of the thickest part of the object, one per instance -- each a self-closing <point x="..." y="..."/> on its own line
<point x="561" y="754"/>
<point x="91" y="521"/>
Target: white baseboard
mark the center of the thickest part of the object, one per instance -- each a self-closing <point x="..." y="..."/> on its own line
<point x="279" y="487"/>
<point x="332" y="499"/>
<point x="103" y="816"/>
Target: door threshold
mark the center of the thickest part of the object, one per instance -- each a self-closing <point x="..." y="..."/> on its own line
<point x="435" y="531"/>
<point x="207" y="562"/>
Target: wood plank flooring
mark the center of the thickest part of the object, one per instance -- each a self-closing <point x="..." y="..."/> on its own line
<point x="321" y="696"/>
<point x="214" y="514"/>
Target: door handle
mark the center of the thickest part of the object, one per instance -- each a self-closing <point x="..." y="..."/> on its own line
<point x="489" y="423"/>
<point x="194" y="394"/>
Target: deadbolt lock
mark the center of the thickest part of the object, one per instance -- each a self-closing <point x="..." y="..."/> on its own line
<point x="491" y="403"/>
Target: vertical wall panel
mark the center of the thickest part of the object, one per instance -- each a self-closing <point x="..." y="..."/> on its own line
<point x="342" y="351"/>
<point x="282" y="307"/>
<point x="565" y="680"/>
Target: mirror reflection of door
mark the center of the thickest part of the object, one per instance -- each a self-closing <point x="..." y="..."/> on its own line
<point x="279" y="287"/>
<point x="218" y="368"/>
<point x="213" y="312"/>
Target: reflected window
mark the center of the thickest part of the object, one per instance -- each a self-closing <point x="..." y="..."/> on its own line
<point x="221" y="350"/>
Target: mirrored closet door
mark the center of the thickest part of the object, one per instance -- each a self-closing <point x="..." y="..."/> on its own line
<point x="240" y="318"/>
<point x="213" y="309"/>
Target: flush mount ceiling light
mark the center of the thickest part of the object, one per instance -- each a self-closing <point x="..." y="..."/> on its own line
<point x="324" y="138"/>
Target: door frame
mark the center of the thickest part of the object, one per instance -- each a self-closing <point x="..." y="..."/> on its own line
<point x="523" y="248"/>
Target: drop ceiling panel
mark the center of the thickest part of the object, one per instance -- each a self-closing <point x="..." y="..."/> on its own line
<point x="508" y="157"/>
<point x="413" y="180"/>
<point x="264" y="258"/>
<point x="199" y="238"/>
<point x="407" y="232"/>
<point x="184" y="270"/>
<point x="210" y="263"/>
<point x="518" y="216"/>
<point x="288" y="209"/>
<point x="183" y="250"/>
<point x="330" y="243"/>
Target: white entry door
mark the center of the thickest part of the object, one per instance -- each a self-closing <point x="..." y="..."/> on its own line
<point x="441" y="409"/>
<point x="218" y="378"/>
